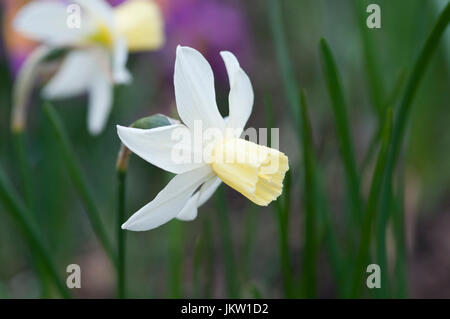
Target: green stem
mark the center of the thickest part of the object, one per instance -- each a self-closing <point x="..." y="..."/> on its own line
<point x="399" y="128"/>
<point x="25" y="171"/>
<point x="370" y="214"/>
<point x="121" y="234"/>
<point x="227" y="244"/>
<point x="79" y="180"/>
<point x="34" y="238"/>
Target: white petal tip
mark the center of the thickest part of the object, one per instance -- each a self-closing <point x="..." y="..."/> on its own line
<point x="95" y="130"/>
<point x="121" y="130"/>
<point x="184" y="49"/>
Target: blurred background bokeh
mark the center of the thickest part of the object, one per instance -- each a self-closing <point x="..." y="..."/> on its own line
<point x="186" y="259"/>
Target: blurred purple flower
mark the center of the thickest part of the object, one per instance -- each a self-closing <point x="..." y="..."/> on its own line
<point x="115" y="2"/>
<point x="209" y="26"/>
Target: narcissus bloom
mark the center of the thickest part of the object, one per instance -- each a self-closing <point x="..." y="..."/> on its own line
<point x="98" y="39"/>
<point x="255" y="171"/>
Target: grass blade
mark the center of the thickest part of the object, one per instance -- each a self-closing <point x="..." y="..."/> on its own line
<point x="390" y="102"/>
<point x="343" y="131"/>
<point x="401" y="120"/>
<point x="329" y="234"/>
<point x="373" y="68"/>
<point x="400" y="248"/>
<point x="371" y="209"/>
<point x="282" y="213"/>
<point x="415" y="79"/>
<point x="287" y="71"/>
<point x="34" y="238"/>
<point x="311" y="246"/>
<point x="199" y="255"/>
<point x="27" y="185"/>
<point x="231" y="274"/>
<point x="176" y="260"/>
<point x="249" y="238"/>
<point x="79" y="181"/>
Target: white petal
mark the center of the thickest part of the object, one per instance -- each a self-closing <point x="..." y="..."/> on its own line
<point x="160" y="145"/>
<point x="100" y="10"/>
<point x="121" y="73"/>
<point x="46" y="21"/>
<point x="194" y="89"/>
<point x="189" y="212"/>
<point x="208" y="190"/>
<point x="241" y="92"/>
<point x="73" y="77"/>
<point x="170" y="201"/>
<point x="100" y="102"/>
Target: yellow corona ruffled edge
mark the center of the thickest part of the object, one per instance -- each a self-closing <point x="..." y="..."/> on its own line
<point x="255" y="171"/>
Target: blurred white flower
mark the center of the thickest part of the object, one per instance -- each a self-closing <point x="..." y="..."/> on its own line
<point x="98" y="49"/>
<point x="255" y="171"/>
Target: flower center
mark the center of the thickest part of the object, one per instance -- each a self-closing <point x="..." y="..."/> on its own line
<point x="102" y="36"/>
<point x="255" y="171"/>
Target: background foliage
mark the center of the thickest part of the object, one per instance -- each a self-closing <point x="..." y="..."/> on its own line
<point x="306" y="244"/>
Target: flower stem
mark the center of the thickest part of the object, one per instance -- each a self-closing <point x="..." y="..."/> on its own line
<point x="24" y="167"/>
<point x="121" y="234"/>
<point x="34" y="238"/>
<point x="79" y="181"/>
<point x="122" y="169"/>
<point x="227" y="244"/>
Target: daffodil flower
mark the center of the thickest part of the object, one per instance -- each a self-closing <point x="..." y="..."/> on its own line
<point x="195" y="181"/>
<point x="98" y="46"/>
